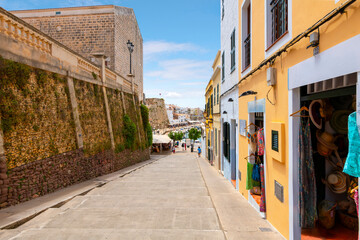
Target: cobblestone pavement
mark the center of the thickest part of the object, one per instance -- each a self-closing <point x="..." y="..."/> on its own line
<point x="177" y="197"/>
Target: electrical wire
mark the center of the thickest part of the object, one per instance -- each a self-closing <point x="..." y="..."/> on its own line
<point x="295" y="40"/>
<point x="267" y="96"/>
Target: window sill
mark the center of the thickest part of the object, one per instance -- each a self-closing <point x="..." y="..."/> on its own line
<point x="246" y="68"/>
<point x="232" y="70"/>
<point x="277" y="40"/>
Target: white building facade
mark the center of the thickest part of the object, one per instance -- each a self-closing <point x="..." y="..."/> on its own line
<point x="229" y="92"/>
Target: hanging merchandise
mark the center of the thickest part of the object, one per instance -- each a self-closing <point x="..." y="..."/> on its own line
<point x="252" y="141"/>
<point x="342" y="102"/>
<point x="260" y="142"/>
<point x="325" y="144"/>
<point x="356" y="198"/>
<point x="352" y="187"/>
<point x="256" y="173"/>
<point x="249" y="181"/>
<point x="336" y="181"/>
<point x="256" y="190"/>
<point x="327" y="214"/>
<point x="352" y="163"/>
<point x="315" y="110"/>
<point x="262" y="178"/>
<point x="339" y="121"/>
<point x="307" y="181"/>
<point x="256" y="170"/>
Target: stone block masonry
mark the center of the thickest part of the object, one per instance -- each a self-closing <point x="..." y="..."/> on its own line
<point x="157" y="113"/>
<point x="89" y="30"/>
<point x="45" y="120"/>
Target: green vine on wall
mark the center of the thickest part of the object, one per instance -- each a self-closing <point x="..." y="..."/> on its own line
<point x="129" y="132"/>
<point x="12" y="74"/>
<point x="146" y="124"/>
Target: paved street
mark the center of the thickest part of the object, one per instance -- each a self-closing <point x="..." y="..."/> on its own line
<point x="176" y="197"/>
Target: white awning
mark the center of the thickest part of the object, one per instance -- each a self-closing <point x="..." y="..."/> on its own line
<point x="157" y="139"/>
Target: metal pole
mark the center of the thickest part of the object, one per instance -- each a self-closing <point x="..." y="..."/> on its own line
<point x="130" y="62"/>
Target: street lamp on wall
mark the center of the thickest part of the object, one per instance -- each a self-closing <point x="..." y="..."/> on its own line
<point x="130" y="46"/>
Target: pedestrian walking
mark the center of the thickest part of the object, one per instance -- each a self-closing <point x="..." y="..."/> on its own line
<point x="199" y="151"/>
<point x="173" y="149"/>
<point x="182" y="145"/>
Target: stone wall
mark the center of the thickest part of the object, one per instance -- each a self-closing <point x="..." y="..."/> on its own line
<point x="39" y="143"/>
<point x="96" y="29"/>
<point x="48" y="175"/>
<point x="157" y="113"/>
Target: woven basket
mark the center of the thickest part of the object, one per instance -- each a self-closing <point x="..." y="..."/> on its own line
<point x="347" y="220"/>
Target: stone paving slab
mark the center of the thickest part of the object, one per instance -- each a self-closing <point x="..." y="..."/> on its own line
<point x="90" y="234"/>
<point x="137" y="218"/>
<point x="126" y="201"/>
<point x="177" y="197"/>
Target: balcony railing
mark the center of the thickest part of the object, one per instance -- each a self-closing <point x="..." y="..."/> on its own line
<point x="279" y="16"/>
<point x="247" y="51"/>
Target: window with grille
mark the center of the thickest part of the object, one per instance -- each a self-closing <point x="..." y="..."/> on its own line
<point x="246" y="33"/>
<point x="279" y="19"/>
<point x="232" y="40"/>
<point x="223" y="66"/>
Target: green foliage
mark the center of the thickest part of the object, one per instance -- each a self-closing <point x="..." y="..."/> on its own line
<point x="129" y="132"/>
<point x="176" y="136"/>
<point x="144" y="115"/>
<point x="94" y="75"/>
<point x="36" y="127"/>
<point x="119" y="148"/>
<point x="149" y="135"/>
<point x="14" y="73"/>
<point x="41" y="77"/>
<point x="194" y="134"/>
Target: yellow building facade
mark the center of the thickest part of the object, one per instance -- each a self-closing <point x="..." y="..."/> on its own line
<point x="208" y="114"/>
<point x="308" y="51"/>
<point x="216" y="110"/>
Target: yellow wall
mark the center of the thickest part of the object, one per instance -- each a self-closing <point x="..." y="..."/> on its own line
<point x="216" y="116"/>
<point x="305" y="13"/>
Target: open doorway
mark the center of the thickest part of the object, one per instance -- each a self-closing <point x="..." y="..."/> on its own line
<point x="327" y="208"/>
<point x="256" y="162"/>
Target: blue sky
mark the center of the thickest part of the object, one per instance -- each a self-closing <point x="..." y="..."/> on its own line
<point x="181" y="39"/>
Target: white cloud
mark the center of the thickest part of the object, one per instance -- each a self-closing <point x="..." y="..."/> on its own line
<point x="152" y="48"/>
<point x="182" y="70"/>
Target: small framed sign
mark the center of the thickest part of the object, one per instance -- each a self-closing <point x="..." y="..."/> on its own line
<point x="242" y="126"/>
<point x="275" y="140"/>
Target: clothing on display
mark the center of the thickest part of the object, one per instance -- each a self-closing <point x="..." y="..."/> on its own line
<point x="352" y="163"/>
<point x="262" y="201"/>
<point x="260" y="142"/>
<point x="307" y="182"/>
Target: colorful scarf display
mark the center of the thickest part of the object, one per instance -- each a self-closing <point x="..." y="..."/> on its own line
<point x="307" y="182"/>
<point x="262" y="201"/>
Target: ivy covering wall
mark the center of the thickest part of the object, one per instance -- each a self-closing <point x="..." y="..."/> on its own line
<point x="36" y="114"/>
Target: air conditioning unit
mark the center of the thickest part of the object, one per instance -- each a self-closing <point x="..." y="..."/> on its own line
<point x="271" y="76"/>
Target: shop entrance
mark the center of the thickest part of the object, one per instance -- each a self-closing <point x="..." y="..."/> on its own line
<point x="326" y="196"/>
<point x="256" y="162"/>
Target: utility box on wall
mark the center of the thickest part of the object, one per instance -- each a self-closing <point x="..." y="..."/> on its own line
<point x="277" y="135"/>
<point x="271" y="76"/>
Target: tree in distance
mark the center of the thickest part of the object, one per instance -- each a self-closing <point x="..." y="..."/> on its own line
<point x="194" y="134"/>
<point x="176" y="136"/>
